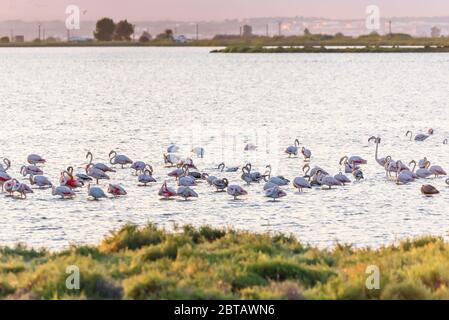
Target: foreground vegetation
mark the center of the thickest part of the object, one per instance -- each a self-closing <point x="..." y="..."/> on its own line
<point x="207" y="263"/>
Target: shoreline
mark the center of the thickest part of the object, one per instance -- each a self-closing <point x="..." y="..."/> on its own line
<point x="209" y="263"/>
<point x="331" y="50"/>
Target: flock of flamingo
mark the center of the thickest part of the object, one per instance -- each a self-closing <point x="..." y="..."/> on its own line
<point x="187" y="175"/>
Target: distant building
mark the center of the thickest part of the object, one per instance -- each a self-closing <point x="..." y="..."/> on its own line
<point x="19" y="39"/>
<point x="247" y="31"/>
<point x="435" y="32"/>
<point x="181" y="39"/>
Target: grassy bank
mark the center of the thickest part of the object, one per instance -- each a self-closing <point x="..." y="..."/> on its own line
<point x="207" y="263"/>
<point x="367" y="49"/>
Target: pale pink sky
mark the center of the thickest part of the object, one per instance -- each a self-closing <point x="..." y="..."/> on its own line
<point x="216" y="9"/>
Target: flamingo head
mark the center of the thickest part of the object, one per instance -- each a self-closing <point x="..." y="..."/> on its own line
<point x="430" y="131"/>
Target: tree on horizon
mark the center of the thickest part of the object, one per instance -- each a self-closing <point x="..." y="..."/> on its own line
<point x="105" y="29"/>
<point x="123" y="30"/>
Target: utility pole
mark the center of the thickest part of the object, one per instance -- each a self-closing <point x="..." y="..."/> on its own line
<point x="240" y="32"/>
<point x="43" y="34"/>
<point x="280" y="25"/>
<point x="389" y="27"/>
<point x="68" y="35"/>
<point x="267" y="33"/>
<point x="197" y="32"/>
<point x="39" y="31"/>
<point x="12" y="35"/>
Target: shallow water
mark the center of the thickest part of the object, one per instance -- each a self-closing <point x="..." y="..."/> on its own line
<point x="61" y="102"/>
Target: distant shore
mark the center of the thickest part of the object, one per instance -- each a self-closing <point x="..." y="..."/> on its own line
<point x="366" y="49"/>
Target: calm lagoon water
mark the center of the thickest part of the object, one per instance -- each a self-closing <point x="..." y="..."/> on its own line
<point x="62" y="102"/>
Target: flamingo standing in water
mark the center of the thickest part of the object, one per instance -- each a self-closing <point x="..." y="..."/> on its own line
<point x="96" y="173"/>
<point x="186" y="192"/>
<point x="6" y="165"/>
<point x="146" y="177"/>
<point x="342" y="178"/>
<point x="220" y="184"/>
<point x="436" y="170"/>
<point x="255" y="176"/>
<point x="306" y="153"/>
<point x="275" y="193"/>
<point x="422" y="173"/>
<point x="120" y="159"/>
<point x="63" y="191"/>
<point x="81" y="178"/>
<point x="419" y="136"/>
<point x="293" y="150"/>
<point x="301" y="183"/>
<point x="4" y="177"/>
<point x="222" y="168"/>
<point x="98" y="165"/>
<point x="277" y="180"/>
<point x="349" y="166"/>
<point x="170" y="159"/>
<point x="166" y="191"/>
<point x="199" y="151"/>
<point x="327" y="180"/>
<point x="9" y="186"/>
<point x="40" y="181"/>
<point x="95" y="192"/>
<point x="35" y="159"/>
<point x="23" y="189"/>
<point x="116" y="190"/>
<point x="236" y="191"/>
<point x="186" y="179"/>
<point x="67" y="179"/>
<point x="172" y="148"/>
<point x="139" y="166"/>
<point x="31" y="170"/>
<point x="380" y="161"/>
<point x="209" y="179"/>
<point x="246" y="176"/>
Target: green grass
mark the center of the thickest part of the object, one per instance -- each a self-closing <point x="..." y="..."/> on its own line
<point x="208" y="263"/>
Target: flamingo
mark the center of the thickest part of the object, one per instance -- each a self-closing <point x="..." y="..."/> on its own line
<point x="35" y="159"/>
<point x="172" y="148"/>
<point x="99" y="165"/>
<point x="436" y="170"/>
<point x="186" y="192"/>
<point x="62" y="191"/>
<point x="447" y="181"/>
<point x="293" y="150"/>
<point x="68" y="180"/>
<point x="349" y="166"/>
<point x="275" y="193"/>
<point x="327" y="180"/>
<point x="116" y="190"/>
<point x="95" y="192"/>
<point x="7" y="165"/>
<point x="306" y="153"/>
<point x="354" y="160"/>
<point x="170" y="159"/>
<point x="23" y="189"/>
<point x="269" y="185"/>
<point x="236" y="191"/>
<point x="220" y="184"/>
<point x="81" y="177"/>
<point x="301" y="183"/>
<point x="246" y="175"/>
<point x="166" y="192"/>
<point x="420" y="136"/>
<point x="31" y="170"/>
<point x="177" y="173"/>
<point x="209" y="179"/>
<point x="186" y="180"/>
<point x="255" y="176"/>
<point x="96" y="173"/>
<point x="277" y="180"/>
<point x="429" y="190"/>
<point x="197" y="175"/>
<point x="342" y="178"/>
<point x="120" y="159"/>
<point x="222" y="168"/>
<point x="445" y="141"/>
<point x="422" y="163"/>
<point x="139" y="166"/>
<point x="9" y="186"/>
<point x="40" y="181"/>
<point x="146" y="177"/>
<point x="422" y="173"/>
<point x="404" y="176"/>
<point x="188" y="162"/>
<point x="250" y="147"/>
<point x="199" y="151"/>
<point x="380" y="161"/>
<point x="4" y="177"/>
